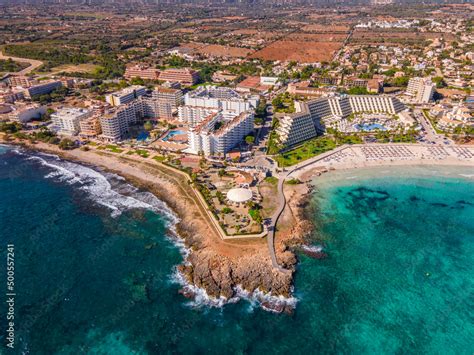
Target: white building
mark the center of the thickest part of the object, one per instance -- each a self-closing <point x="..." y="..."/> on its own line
<point x="66" y="120"/>
<point x="308" y="120"/>
<point x="217" y="135"/>
<point x="163" y="103"/>
<point x="115" y="123"/>
<point x="269" y="80"/>
<point x="422" y="89"/>
<point x="21" y="112"/>
<point x="225" y="100"/>
<point x="126" y="95"/>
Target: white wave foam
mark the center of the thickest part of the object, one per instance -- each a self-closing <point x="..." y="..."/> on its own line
<point x="312" y="248"/>
<point x="201" y="298"/>
<point x="98" y="187"/>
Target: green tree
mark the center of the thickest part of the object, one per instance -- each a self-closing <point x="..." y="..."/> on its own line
<point x="66" y="144"/>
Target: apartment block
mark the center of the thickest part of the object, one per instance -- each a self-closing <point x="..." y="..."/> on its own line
<point x="217" y="135"/>
<point x="141" y="71"/>
<point x="200" y="102"/>
<point x="90" y="127"/>
<point x="126" y="95"/>
<point x="116" y="122"/>
<point x="43" y="88"/>
<point x="183" y="76"/>
<point x="67" y="120"/>
<point x="164" y="102"/>
<point x="21" y="112"/>
<point x="422" y="89"/>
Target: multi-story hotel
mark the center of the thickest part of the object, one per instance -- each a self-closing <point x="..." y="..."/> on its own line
<point x="141" y="71"/>
<point x="116" y="122"/>
<point x="43" y="88"/>
<point x="66" y="120"/>
<point x="164" y="102"/>
<point x="184" y="76"/>
<point x="126" y="95"/>
<point x="202" y="101"/>
<point x="308" y="120"/>
<point x="422" y="89"/>
<point x="217" y="135"/>
<point x="90" y="127"/>
<point x="192" y="115"/>
<point x="132" y="106"/>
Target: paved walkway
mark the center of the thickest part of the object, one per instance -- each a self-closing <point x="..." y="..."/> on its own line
<point x="282" y="202"/>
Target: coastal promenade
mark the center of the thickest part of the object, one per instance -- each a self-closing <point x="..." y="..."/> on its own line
<point x="366" y="155"/>
<point x="282" y="201"/>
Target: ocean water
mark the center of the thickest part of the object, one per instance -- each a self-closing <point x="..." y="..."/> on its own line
<point x="95" y="266"/>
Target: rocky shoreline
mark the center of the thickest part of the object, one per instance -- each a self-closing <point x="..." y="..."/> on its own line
<point x="223" y="270"/>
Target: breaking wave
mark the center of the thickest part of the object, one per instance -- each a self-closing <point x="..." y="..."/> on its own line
<point x="199" y="297"/>
<point x="106" y="189"/>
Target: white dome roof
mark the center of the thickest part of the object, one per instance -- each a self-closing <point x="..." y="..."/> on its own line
<point x="239" y="195"/>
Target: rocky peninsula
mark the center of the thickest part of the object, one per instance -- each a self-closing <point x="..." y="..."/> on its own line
<point x="222" y="270"/>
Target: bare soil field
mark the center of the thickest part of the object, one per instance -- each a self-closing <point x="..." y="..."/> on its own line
<point x="300" y="51"/>
<point x="224" y="51"/>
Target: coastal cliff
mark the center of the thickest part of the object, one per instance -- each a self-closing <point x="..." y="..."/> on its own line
<point x="223" y="270"/>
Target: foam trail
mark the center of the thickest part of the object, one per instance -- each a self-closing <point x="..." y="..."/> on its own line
<point x="98" y="186"/>
<point x="201" y="299"/>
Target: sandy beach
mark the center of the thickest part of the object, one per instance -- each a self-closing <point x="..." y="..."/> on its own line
<point x="357" y="156"/>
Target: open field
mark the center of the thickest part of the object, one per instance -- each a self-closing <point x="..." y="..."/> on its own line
<point x="224" y="51"/>
<point x="80" y="68"/>
<point x="300" y="51"/>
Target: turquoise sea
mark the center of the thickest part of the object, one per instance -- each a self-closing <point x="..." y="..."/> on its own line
<point x="95" y="266"/>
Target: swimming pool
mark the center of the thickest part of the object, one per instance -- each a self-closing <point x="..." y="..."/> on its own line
<point x="143" y="136"/>
<point x="173" y="133"/>
<point x="369" y="127"/>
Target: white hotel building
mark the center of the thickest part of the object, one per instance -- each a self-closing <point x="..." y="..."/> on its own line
<point x="116" y="122"/>
<point x="422" y="89"/>
<point x="66" y="120"/>
<point x="126" y="95"/>
<point x="203" y="101"/>
<point x="217" y="135"/>
<point x="308" y="120"/>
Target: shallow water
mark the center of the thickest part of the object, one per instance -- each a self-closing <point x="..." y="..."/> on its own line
<point x="95" y="266"/>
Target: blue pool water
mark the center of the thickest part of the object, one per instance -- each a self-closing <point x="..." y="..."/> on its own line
<point x="173" y="133"/>
<point x="369" y="127"/>
<point x="143" y="136"/>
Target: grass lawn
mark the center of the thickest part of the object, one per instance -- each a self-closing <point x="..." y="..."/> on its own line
<point x="142" y="153"/>
<point x="159" y="158"/>
<point x="113" y="148"/>
<point x="307" y="150"/>
<point x="271" y="180"/>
